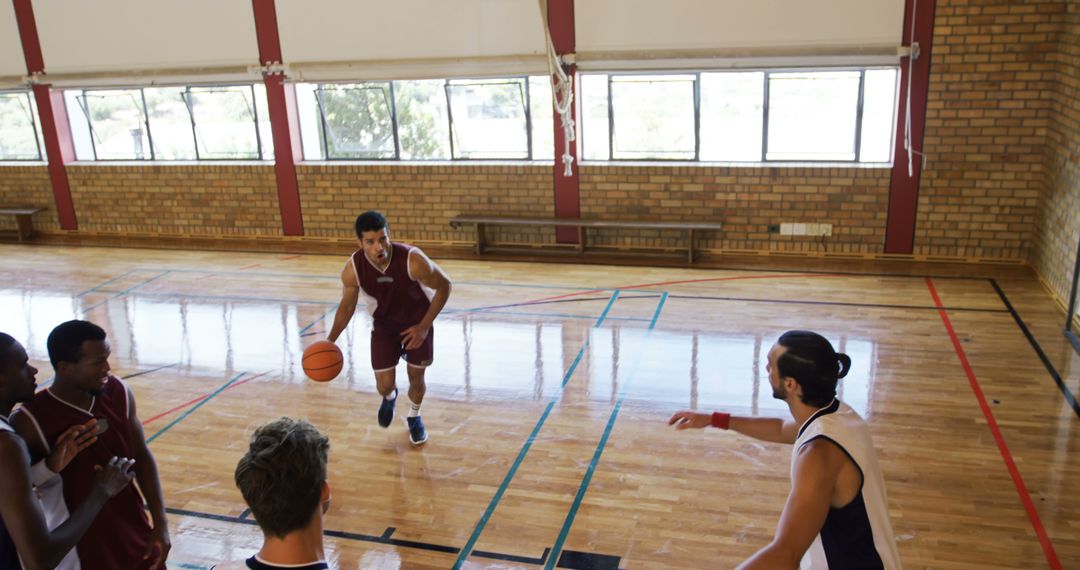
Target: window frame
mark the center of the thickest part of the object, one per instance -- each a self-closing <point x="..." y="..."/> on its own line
<point x="324" y="129"/>
<point x="522" y="82"/>
<point x="766" y="77"/>
<point x="33" y="125"/>
<point x="185" y="95"/>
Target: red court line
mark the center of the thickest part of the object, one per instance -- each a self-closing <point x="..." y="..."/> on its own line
<point x="252" y="266"/>
<point x="290" y="257"/>
<point x="684" y="281"/>
<point x="1018" y="481"/>
<point x="199" y="399"/>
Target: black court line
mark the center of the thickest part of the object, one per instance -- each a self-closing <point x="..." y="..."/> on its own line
<point x="1069" y="397"/>
<point x="386" y="538"/>
<point x="835" y="303"/>
<point x="149" y="371"/>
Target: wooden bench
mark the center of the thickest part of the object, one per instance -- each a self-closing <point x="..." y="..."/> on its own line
<point x="581" y="224"/>
<point x="24" y="220"/>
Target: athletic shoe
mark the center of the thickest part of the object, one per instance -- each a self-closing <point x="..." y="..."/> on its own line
<point x="416" y="432"/>
<point x="386" y="411"/>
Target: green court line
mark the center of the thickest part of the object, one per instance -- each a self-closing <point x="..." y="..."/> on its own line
<point x="467" y="549"/>
<point x="572" y="514"/>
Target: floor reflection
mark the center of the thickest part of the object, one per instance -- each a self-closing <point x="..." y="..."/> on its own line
<point x="489" y="352"/>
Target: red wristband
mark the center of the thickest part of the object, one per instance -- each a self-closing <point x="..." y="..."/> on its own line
<point x="720" y="420"/>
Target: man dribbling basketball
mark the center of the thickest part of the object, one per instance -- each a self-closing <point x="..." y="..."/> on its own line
<point x="404" y="292"/>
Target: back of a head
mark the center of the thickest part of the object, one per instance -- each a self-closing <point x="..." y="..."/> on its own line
<point x="813" y="362"/>
<point x="66" y="340"/>
<point x="370" y="221"/>
<point x="282" y="474"/>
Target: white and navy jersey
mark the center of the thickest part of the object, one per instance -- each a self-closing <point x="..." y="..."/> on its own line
<point x="857" y="535"/>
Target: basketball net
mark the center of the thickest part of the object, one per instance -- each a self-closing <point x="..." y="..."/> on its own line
<point x="562" y="92"/>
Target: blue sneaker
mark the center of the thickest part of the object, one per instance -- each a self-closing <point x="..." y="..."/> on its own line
<point x="417" y="433"/>
<point x="386" y="411"/>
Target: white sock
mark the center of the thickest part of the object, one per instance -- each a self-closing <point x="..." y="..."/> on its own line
<point x="391" y="395"/>
<point x="414" y="409"/>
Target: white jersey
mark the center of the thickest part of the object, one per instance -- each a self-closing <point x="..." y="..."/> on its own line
<point x="50" y="495"/>
<point x="859" y="534"/>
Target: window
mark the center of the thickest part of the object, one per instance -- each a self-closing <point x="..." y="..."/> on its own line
<point x="731" y="113"/>
<point x="357" y="121"/>
<point x="488" y="118"/>
<point x="653" y="116"/>
<point x="812" y="116"/>
<point x="748" y="116"/>
<point x="170" y="123"/>
<point x="443" y="119"/>
<point x="18" y="127"/>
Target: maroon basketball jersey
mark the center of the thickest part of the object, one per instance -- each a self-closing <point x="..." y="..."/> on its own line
<point x="394" y="298"/>
<point x="119" y="535"/>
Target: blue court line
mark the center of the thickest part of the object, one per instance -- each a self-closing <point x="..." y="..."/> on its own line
<point x="572" y="514"/>
<point x="467" y="549"/>
<point x="124" y="292"/>
<point x="113" y="280"/>
<point x="195" y="407"/>
<point x="319" y="320"/>
<point x="189" y="566"/>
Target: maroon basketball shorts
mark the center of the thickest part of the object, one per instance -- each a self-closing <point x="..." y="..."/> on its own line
<point x="387" y="348"/>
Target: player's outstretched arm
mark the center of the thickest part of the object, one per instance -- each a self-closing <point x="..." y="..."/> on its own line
<point x="350" y="294"/>
<point x="21" y="511"/>
<point x="817" y="467"/>
<point x="766" y="429"/>
<point x="424" y="270"/>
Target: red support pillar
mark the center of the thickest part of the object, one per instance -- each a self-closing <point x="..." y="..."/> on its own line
<point x="59" y="148"/>
<point x="560" y="17"/>
<point x="904" y="189"/>
<point x="284" y="121"/>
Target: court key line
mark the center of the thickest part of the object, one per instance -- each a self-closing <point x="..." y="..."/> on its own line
<point x="587" y="479"/>
<point x="480" y="524"/>
<point x="211" y="396"/>
<point x="991" y="422"/>
<point x="201" y="398"/>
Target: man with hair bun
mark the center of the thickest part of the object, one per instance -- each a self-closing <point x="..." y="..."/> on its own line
<point x="836" y="515"/>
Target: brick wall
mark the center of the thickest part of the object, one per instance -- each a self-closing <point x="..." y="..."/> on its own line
<point x="745" y="200"/>
<point x="991" y="84"/>
<point x="176" y="199"/>
<point x="28" y="186"/>
<point x="999" y="181"/>
<point x="419" y="200"/>
<point x="1058" y="223"/>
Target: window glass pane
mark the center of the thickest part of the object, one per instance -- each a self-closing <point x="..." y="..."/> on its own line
<point x="310" y="121"/>
<point x="594" y="114"/>
<point x="357" y="120"/>
<point x="731" y="116"/>
<point x="879" y="115"/>
<point x="80" y="125"/>
<point x="117" y="124"/>
<point x="18" y="136"/>
<point x="423" y="125"/>
<point x="654" y="116"/>
<point x="262" y="112"/>
<point x="170" y="123"/>
<point x="488" y="118"/>
<point x="812" y="115"/>
<point x="543" y="135"/>
<point x="224" y="122"/>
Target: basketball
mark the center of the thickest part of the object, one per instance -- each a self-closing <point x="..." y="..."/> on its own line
<point x="322" y="361"/>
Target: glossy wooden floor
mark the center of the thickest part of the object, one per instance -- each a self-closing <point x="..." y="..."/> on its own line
<point x="548" y="399"/>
